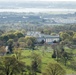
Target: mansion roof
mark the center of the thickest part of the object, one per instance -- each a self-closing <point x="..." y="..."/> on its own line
<point x="39" y="35"/>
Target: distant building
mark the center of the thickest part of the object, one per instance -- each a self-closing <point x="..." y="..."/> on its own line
<point x="42" y="37"/>
<point x="48" y="39"/>
<point x="34" y="34"/>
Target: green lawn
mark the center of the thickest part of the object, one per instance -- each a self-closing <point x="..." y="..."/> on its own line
<point x="46" y="58"/>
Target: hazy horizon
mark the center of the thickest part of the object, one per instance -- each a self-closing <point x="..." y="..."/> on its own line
<point x="38" y="10"/>
<point x="37" y="6"/>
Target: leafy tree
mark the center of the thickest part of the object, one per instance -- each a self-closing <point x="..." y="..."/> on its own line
<point x="71" y="33"/>
<point x="34" y="67"/>
<point x="10" y="41"/>
<point x="2" y="50"/>
<point x="19" y="34"/>
<point x="54" y="47"/>
<point x="53" y="34"/>
<point x="10" y="45"/>
<point x="42" y="42"/>
<point x="64" y="35"/>
<point x="47" y="31"/>
<point x="36" y="63"/>
<point x="54" y="69"/>
<point x="11" y="35"/>
<point x="30" y="42"/>
<point x="23" y="45"/>
<point x="4" y="37"/>
<point x="73" y="65"/>
<point x="16" y="44"/>
<point x="18" y="53"/>
<point x="11" y="66"/>
<point x="22" y="39"/>
<point x="65" y="57"/>
<point x="60" y="54"/>
<point x="54" y="54"/>
<point x="74" y="38"/>
<point x="44" y="49"/>
<point x="33" y="39"/>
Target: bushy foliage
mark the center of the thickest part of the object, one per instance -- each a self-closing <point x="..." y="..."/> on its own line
<point x="54" y="69"/>
<point x="11" y="66"/>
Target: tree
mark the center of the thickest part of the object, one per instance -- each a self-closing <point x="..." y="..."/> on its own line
<point x="34" y="67"/>
<point x="19" y="34"/>
<point x="33" y="39"/>
<point x="44" y="49"/>
<point x="10" y="45"/>
<point x="10" y="41"/>
<point x="18" y="53"/>
<point x="46" y="31"/>
<point x="30" y="42"/>
<point x="74" y="38"/>
<point x="64" y="57"/>
<point x="42" y="42"/>
<point x="53" y="34"/>
<point x="36" y="63"/>
<point x="22" y="39"/>
<point x="23" y="45"/>
<point x="11" y="66"/>
<point x="11" y="35"/>
<point x="55" y="50"/>
<point x="54" y="54"/>
<point x="3" y="50"/>
<point x="4" y="37"/>
<point x="59" y="53"/>
<point x="73" y="64"/>
<point x="71" y="33"/>
<point x="64" y="35"/>
<point x="54" y="69"/>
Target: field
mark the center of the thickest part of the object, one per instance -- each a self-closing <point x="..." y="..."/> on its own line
<point x="46" y="58"/>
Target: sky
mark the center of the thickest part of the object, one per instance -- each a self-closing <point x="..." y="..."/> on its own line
<point x="58" y="4"/>
<point x="30" y="3"/>
<point x="32" y="0"/>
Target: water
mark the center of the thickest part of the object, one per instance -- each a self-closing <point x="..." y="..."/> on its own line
<point x="36" y="10"/>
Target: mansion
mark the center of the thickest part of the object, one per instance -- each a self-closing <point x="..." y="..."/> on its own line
<point x="43" y="37"/>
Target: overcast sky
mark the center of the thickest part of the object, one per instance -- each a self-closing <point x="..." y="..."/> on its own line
<point x="53" y="4"/>
<point x="32" y="0"/>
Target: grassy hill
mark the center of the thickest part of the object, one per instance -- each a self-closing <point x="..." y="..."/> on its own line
<point x="46" y="58"/>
